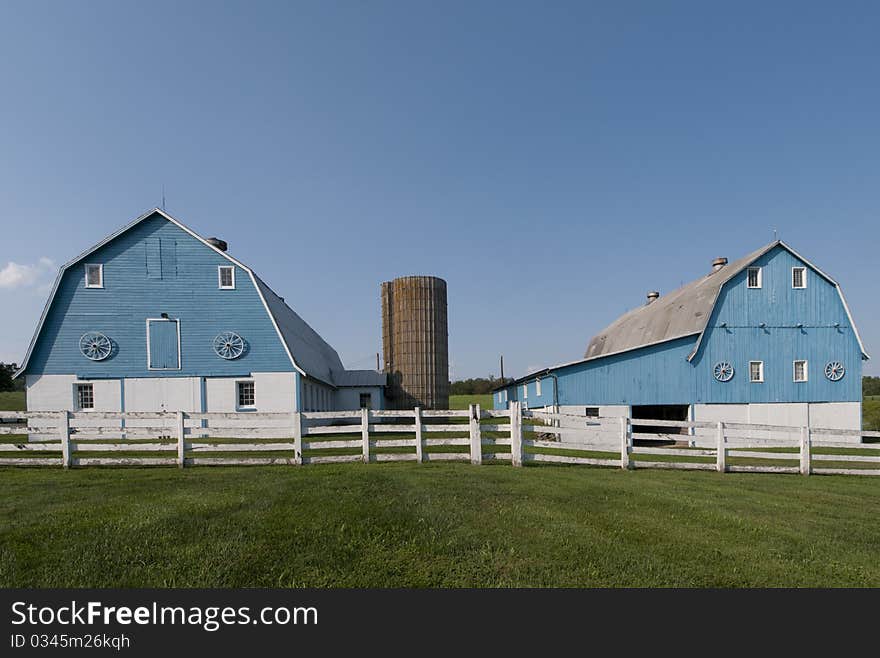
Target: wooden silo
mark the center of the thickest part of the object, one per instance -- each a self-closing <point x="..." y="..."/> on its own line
<point x="415" y="340"/>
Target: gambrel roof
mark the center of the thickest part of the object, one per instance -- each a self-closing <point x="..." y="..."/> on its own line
<point x="310" y="354"/>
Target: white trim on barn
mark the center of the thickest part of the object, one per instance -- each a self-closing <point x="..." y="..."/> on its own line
<point x="179" y="355"/>
<point x="220" y="269"/>
<point x="100" y="283"/>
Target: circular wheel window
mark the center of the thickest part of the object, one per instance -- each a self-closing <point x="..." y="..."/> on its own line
<point x="95" y="346"/>
<point x="723" y="371"/>
<point x="228" y="345"/>
<point x="835" y="371"/>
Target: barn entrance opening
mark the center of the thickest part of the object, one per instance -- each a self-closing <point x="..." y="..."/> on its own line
<point x="660" y="412"/>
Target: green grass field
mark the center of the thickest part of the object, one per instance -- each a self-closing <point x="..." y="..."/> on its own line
<point x="402" y="525"/>
<point x="12" y="401"/>
<point x="871" y="412"/>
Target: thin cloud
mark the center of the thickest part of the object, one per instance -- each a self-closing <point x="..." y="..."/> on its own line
<point x="16" y="277"/>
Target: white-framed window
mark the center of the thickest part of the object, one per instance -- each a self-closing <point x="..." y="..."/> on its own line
<point x="525" y="391"/>
<point x="499" y="397"/>
<point x="538" y="388"/>
<point x="85" y="397"/>
<point x="94" y="275"/>
<point x="245" y="395"/>
<point x="756" y="371"/>
<point x="591" y="412"/>
<point x="754" y="277"/>
<point x="801" y="371"/>
<point x="226" y="277"/>
<point x="505" y="395"/>
<point x="798" y="278"/>
<point x="366" y="400"/>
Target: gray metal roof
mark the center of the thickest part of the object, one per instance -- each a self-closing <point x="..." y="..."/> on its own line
<point x="359" y="378"/>
<point x="683" y="312"/>
<point x="310" y="352"/>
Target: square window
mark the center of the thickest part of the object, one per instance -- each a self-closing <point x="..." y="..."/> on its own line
<point x="592" y="412"/>
<point x="754" y="277"/>
<point x="756" y="371"/>
<point x="85" y="397"/>
<point x="94" y="275"/>
<point x="247" y="398"/>
<point x="366" y="400"/>
<point x="800" y="371"/>
<point x="799" y="277"/>
<point x="226" y="277"/>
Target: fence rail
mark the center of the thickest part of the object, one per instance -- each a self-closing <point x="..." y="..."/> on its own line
<point x="476" y="435"/>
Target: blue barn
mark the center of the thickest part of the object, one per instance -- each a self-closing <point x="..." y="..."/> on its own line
<point x="157" y="318"/>
<point x="766" y="339"/>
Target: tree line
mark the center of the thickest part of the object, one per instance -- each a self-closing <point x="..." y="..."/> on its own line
<point x="6" y="381"/>
<point x="477" y="386"/>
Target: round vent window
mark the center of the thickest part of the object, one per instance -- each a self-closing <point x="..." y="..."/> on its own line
<point x="835" y="371"/>
<point x="95" y="346"/>
<point x="228" y="345"/>
<point x="723" y="371"/>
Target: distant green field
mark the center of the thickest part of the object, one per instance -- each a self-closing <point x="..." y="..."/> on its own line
<point x="13" y="401"/>
<point x="462" y="401"/>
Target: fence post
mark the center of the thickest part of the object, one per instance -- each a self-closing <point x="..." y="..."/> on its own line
<point x="297" y="438"/>
<point x="64" y="432"/>
<point x="806" y="446"/>
<point x="420" y="455"/>
<point x="516" y="445"/>
<point x="625" y="443"/>
<point x="180" y="440"/>
<point x="476" y="440"/>
<point x="721" y="449"/>
<point x="365" y="433"/>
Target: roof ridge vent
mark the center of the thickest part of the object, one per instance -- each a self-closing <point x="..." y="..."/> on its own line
<point x="718" y="263"/>
<point x="217" y="243"/>
<point x="652" y="297"/>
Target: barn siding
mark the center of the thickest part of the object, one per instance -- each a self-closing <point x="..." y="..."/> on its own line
<point x="781" y="308"/>
<point x="156" y="268"/>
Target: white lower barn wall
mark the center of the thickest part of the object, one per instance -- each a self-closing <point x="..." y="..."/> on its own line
<point x="605" y="411"/>
<point x="57" y="393"/>
<point x="274" y="392"/>
<point x="832" y="415"/>
<point x="348" y="398"/>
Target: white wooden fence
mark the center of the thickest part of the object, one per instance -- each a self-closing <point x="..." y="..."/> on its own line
<point x="476" y="435"/>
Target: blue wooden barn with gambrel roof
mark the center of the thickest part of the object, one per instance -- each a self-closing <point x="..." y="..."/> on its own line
<point x="155" y="317"/>
<point x="766" y="339"/>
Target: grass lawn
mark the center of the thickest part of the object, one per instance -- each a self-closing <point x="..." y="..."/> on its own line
<point x="398" y="525"/>
<point x="12" y="401"/>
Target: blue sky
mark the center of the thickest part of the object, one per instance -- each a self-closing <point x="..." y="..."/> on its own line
<point x="552" y="161"/>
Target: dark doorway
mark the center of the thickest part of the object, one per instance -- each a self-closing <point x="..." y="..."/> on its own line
<point x="660" y="412"/>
